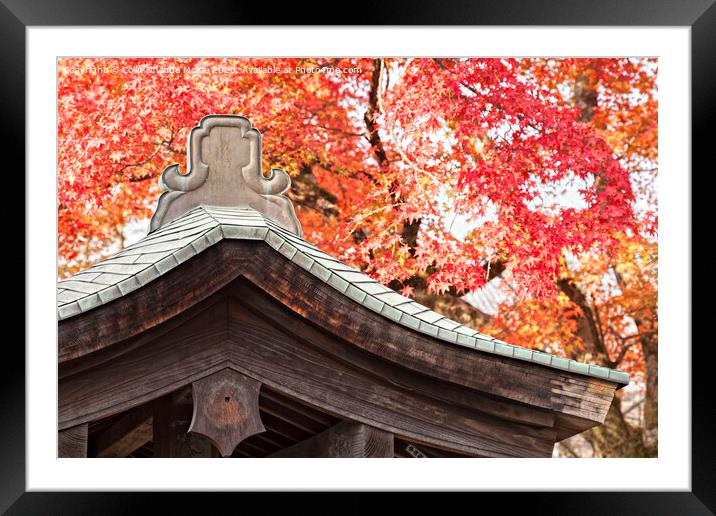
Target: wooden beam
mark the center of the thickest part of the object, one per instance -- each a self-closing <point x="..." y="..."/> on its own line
<point x="343" y="382"/>
<point x="226" y="409"/>
<point x="299" y="408"/>
<point x="172" y="415"/>
<point x="72" y="442"/>
<point x="345" y="440"/>
<point x="295" y="418"/>
<point x="503" y="387"/>
<point x="282" y="427"/>
<point x="132" y="431"/>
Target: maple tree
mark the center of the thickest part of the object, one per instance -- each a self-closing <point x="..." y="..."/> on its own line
<point x="433" y="175"/>
<point x="607" y="308"/>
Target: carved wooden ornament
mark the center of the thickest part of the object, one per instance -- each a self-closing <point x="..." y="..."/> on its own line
<point x="226" y="409"/>
<point x="224" y="160"/>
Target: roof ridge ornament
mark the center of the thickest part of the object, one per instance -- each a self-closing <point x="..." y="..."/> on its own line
<point x="224" y="161"/>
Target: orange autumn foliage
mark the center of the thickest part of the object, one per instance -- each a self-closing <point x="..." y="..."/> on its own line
<point x="497" y="144"/>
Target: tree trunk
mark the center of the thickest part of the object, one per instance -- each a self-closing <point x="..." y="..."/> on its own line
<point x="649" y="347"/>
<point x="615" y="438"/>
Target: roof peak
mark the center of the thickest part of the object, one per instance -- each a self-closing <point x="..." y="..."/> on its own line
<point x="224" y="169"/>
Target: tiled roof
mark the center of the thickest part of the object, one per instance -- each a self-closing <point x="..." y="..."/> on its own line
<point x="203" y="226"/>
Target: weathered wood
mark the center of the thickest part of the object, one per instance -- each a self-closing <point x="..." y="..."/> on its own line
<point x="276" y="440"/>
<point x="288" y="415"/>
<point x="132" y="431"/>
<point x="284" y="427"/>
<point x="500" y="377"/>
<point x="259" y="349"/>
<point x="172" y="416"/>
<point x="299" y="411"/>
<point x="72" y="442"/>
<point x="505" y="377"/>
<point x="278" y="359"/>
<point x="226" y="409"/>
<point x="94" y="359"/>
<point x="256" y="447"/>
<point x="161" y="300"/>
<point x="134" y="350"/>
<point x="301" y="330"/>
<point x="147" y="372"/>
<point x="280" y="426"/>
<point x="345" y="440"/>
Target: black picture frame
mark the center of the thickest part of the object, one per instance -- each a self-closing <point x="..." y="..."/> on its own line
<point x="700" y="15"/>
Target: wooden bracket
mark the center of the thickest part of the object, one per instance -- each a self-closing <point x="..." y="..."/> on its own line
<point x="226" y="409"/>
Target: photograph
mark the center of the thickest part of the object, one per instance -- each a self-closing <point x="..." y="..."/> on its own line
<point x="358" y="257"/>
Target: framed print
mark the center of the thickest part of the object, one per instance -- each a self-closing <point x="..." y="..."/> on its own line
<point x="454" y="242"/>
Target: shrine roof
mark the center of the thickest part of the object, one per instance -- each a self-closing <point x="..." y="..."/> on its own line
<point x="202" y="226"/>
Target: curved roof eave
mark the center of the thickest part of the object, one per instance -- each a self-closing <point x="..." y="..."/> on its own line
<point x="204" y="226"/>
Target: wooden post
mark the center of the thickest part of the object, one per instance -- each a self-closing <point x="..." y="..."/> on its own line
<point x="72" y="442"/>
<point x="226" y="409"/>
<point x="172" y="416"/>
<point x="346" y="439"/>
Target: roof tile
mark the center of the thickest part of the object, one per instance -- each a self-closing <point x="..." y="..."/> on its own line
<point x="430" y="329"/>
<point x="522" y="353"/>
<point x="618" y="376"/>
<point x="338" y="283"/>
<point x="373" y="303"/>
<point x="599" y="372"/>
<point x="81" y="286"/>
<point x="504" y="349"/>
<point x="466" y="331"/>
<point x="274" y="240"/>
<point x="351" y="277"/>
<point x="393" y="298"/>
<point x="184" y="254"/>
<point x="128" y="285"/>
<point x="560" y="363"/>
<point x="355" y="293"/>
<point x="88" y="302"/>
<point x="147" y="275"/>
<point x="109" y="294"/>
<point x="166" y="264"/>
<point x="288" y="250"/>
<point x="485" y="345"/>
<point x="464" y="340"/>
<point x="372" y="287"/>
<point x="120" y="268"/>
<point x="67" y="296"/>
<point x="429" y="317"/>
<point x="68" y="310"/>
<point x="110" y="278"/>
<point x="413" y="308"/>
<point x="410" y="321"/>
<point x="447" y="335"/>
<point x="320" y="272"/>
<point x="303" y="260"/>
<point x="391" y="313"/>
<point x="578" y="367"/>
<point x="542" y="358"/>
<point x="447" y="324"/>
<point x="84" y="276"/>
